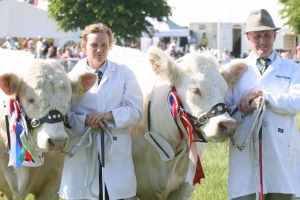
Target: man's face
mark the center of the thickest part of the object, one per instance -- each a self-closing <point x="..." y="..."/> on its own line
<point x="261" y="42"/>
<point x="96" y="48"/>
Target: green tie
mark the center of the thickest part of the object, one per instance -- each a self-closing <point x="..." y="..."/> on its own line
<point x="264" y="62"/>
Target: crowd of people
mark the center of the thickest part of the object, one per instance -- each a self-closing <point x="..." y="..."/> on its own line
<point x="44" y="48"/>
<point x="72" y="52"/>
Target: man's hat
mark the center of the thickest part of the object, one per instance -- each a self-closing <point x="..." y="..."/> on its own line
<point x="260" y="20"/>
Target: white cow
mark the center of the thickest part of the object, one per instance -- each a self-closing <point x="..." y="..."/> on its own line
<point x="43" y="91"/>
<point x="162" y="159"/>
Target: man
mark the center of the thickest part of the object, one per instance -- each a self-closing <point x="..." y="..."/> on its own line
<point x="109" y="107"/>
<point x="203" y="41"/>
<point x="278" y="82"/>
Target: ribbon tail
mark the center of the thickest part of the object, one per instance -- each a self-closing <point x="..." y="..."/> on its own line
<point x="199" y="173"/>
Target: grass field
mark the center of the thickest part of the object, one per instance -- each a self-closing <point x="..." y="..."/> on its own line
<point x="215" y="165"/>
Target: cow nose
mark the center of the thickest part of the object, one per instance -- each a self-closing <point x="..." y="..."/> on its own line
<point x="57" y="143"/>
<point x="227" y="127"/>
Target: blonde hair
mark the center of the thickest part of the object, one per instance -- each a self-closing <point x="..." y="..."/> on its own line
<point x="97" y="28"/>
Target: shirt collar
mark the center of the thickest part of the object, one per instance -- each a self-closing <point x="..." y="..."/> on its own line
<point x="102" y="68"/>
<point x="272" y="56"/>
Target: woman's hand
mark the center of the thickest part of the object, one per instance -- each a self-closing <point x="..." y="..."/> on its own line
<point x="97" y="120"/>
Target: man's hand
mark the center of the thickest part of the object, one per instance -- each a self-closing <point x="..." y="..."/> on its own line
<point x="98" y="120"/>
<point x="251" y="101"/>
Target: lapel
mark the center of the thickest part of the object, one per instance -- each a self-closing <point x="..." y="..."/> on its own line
<point x="110" y="68"/>
<point x="251" y="61"/>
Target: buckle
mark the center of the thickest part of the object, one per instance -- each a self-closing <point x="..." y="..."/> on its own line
<point x="35" y="123"/>
<point x="202" y="120"/>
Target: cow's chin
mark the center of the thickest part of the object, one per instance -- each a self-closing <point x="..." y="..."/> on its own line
<point x="219" y="129"/>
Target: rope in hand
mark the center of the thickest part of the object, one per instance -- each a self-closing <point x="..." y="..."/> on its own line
<point x="255" y="134"/>
<point x="256" y="124"/>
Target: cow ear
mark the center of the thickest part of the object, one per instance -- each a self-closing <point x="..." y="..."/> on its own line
<point x="10" y="83"/>
<point x="81" y="83"/>
<point x="233" y="71"/>
<point x="163" y="65"/>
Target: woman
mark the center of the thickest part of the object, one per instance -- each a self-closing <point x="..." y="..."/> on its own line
<point x="109" y="108"/>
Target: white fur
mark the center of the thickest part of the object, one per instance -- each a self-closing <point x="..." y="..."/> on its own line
<point x="41" y="86"/>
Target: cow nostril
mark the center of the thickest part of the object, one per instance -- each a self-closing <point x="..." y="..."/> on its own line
<point x="57" y="143"/>
<point x="227" y="127"/>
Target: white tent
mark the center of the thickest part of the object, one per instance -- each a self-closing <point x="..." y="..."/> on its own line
<point x="163" y="29"/>
<point x="19" y="19"/>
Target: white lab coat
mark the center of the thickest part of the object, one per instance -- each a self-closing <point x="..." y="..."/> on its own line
<point x="280" y="139"/>
<point x="118" y="92"/>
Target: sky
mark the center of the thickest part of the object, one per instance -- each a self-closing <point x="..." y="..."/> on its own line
<point x="185" y="12"/>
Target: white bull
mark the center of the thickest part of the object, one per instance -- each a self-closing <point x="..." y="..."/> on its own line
<point x="163" y="163"/>
<point x="43" y="90"/>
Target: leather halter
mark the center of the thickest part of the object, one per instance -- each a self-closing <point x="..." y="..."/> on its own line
<point x="216" y="110"/>
<point x="53" y="116"/>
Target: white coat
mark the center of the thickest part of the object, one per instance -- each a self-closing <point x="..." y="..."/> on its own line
<point x="280" y="139"/>
<point x="118" y="92"/>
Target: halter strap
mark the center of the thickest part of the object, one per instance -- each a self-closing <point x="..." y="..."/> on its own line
<point x="54" y="116"/>
<point x="216" y="110"/>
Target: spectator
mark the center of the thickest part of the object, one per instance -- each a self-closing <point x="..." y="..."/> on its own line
<point x="298" y="51"/>
<point x="245" y="54"/>
<point x="225" y="56"/>
<point x="44" y="48"/>
<point x="67" y="53"/>
<point x="161" y="44"/>
<point x="51" y="52"/>
<point x="30" y="46"/>
<point x="203" y="41"/>
<point x="59" y="52"/>
<point x="10" y="43"/>
<point x="25" y="44"/>
<point x="38" y="47"/>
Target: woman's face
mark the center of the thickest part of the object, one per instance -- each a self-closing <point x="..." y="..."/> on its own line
<point x="96" y="48"/>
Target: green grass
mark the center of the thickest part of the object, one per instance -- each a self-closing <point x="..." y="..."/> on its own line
<point x="215" y="165"/>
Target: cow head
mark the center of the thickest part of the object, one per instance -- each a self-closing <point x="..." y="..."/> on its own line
<point x="44" y="92"/>
<point x="201" y="89"/>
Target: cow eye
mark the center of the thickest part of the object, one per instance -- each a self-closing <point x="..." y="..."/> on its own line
<point x="31" y="100"/>
<point x="196" y="91"/>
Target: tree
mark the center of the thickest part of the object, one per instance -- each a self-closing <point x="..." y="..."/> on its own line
<point x="291" y="11"/>
<point x="127" y="18"/>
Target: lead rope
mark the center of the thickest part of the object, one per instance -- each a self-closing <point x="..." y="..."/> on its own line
<point x="261" y="112"/>
<point x="255" y="132"/>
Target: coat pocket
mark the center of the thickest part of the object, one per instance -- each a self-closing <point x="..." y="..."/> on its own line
<point x="121" y="147"/>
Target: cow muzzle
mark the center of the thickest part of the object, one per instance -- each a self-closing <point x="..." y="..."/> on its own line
<point x="227" y="127"/>
<point x="57" y="143"/>
<point x="219" y="128"/>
